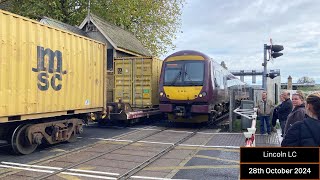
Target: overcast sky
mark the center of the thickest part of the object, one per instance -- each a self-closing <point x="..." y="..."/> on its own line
<point x="234" y="31"/>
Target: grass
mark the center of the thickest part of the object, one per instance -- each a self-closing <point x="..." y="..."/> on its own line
<point x="315" y="88"/>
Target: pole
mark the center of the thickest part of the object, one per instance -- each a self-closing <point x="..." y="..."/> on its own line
<point x="264" y="78"/>
<point x="231" y="107"/>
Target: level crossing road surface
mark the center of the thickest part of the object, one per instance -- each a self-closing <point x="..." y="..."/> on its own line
<point x="191" y="154"/>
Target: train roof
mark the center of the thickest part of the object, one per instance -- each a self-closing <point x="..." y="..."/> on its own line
<point x="189" y="53"/>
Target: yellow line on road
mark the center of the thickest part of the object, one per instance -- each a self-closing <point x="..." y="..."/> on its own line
<point x="192" y="167"/>
<point x="210" y="149"/>
<point x="215" y="158"/>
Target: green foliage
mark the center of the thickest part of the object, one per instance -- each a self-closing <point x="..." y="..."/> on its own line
<point x="154" y="22"/>
<point x="313" y="88"/>
<point x="306" y="79"/>
<point x="68" y="11"/>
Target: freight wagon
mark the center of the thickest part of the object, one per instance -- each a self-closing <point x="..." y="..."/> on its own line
<point x="135" y="89"/>
<point x="50" y="80"/>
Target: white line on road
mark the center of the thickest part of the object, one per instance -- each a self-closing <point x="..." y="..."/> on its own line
<point x="179" y="131"/>
<point x="75" y="174"/>
<point x="58" y="168"/>
<point x="155" y="178"/>
<point x="203" y="146"/>
<point x="146" y="129"/>
<point x="118" y="140"/>
<point x="151" y="142"/>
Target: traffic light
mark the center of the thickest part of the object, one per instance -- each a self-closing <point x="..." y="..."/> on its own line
<point x="275" y="50"/>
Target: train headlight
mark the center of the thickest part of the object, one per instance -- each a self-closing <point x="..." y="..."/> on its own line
<point x="161" y="94"/>
<point x="202" y="94"/>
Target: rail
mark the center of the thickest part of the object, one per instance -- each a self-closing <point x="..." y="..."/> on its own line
<point x="250" y="135"/>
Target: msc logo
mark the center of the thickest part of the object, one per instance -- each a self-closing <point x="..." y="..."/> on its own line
<point x="49" y="69"/>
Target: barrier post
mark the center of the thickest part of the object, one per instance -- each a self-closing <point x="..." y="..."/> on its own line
<point x="250" y="135"/>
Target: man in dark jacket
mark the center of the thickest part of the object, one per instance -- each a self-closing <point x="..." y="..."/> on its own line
<point x="284" y="110"/>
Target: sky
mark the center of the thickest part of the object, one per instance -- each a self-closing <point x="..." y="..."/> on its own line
<point x="235" y="31"/>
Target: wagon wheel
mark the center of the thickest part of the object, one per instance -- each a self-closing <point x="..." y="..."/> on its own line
<point x="19" y="141"/>
<point x="73" y="137"/>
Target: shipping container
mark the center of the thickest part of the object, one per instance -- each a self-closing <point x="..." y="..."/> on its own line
<point x="45" y="70"/>
<point x="137" y="81"/>
<point x="47" y="74"/>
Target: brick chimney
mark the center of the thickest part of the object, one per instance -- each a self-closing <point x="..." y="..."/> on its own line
<point x="289" y="87"/>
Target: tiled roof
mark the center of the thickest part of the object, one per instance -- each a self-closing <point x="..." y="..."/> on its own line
<point x="119" y="37"/>
<point x="61" y="25"/>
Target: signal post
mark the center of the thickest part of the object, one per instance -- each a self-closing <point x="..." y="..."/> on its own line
<point x="274" y="52"/>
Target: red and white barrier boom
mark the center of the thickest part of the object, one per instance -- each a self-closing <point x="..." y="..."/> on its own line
<point x="250" y="135"/>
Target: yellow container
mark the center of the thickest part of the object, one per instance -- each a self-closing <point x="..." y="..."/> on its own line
<point x="46" y="72"/>
<point x="137" y="80"/>
<point x="110" y="86"/>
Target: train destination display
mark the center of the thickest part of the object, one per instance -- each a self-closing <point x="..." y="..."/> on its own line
<point x="279" y="163"/>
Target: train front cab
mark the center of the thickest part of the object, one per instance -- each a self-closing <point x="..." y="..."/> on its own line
<point x="185" y="88"/>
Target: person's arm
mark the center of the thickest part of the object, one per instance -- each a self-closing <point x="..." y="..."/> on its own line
<point x="292" y="137"/>
<point x="298" y="116"/>
<point x="258" y="106"/>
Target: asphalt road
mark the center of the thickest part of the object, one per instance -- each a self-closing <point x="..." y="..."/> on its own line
<point x="184" y="162"/>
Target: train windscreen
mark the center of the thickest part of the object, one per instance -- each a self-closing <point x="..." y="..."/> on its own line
<point x="184" y="73"/>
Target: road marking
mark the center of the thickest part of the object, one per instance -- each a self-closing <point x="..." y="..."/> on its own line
<point x="58" y="168"/>
<point x="75" y="174"/>
<point x="222" y="148"/>
<point x="57" y="150"/>
<point x="151" y="142"/>
<point x="215" y="158"/>
<point x="207" y="148"/>
<point x="179" y="131"/>
<point x="194" y="145"/>
<point x="155" y="178"/>
<point x="191" y="167"/>
<point x="145" y="129"/>
<point x="27" y="169"/>
<point x="110" y="139"/>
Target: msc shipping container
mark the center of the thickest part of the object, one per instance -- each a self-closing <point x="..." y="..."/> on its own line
<point x="137" y="80"/>
<point x="46" y="72"/>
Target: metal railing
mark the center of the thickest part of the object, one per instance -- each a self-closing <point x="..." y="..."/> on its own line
<point x="250" y="135"/>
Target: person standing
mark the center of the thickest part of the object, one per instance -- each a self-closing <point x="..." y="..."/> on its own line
<point x="264" y="110"/>
<point x="299" y="111"/>
<point x="306" y="132"/>
<point x="275" y="114"/>
<point x="284" y="110"/>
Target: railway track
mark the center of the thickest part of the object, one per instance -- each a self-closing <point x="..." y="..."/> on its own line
<point x="183" y="137"/>
<point x="77" y="150"/>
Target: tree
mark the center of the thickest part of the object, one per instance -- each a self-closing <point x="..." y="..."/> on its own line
<point x="154" y="22"/>
<point x="68" y="11"/>
<point x="306" y="79"/>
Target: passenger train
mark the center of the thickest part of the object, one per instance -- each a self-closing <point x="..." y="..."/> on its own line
<point x="194" y="88"/>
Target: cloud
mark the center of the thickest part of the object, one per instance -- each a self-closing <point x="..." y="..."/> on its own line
<point x="235" y="31"/>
